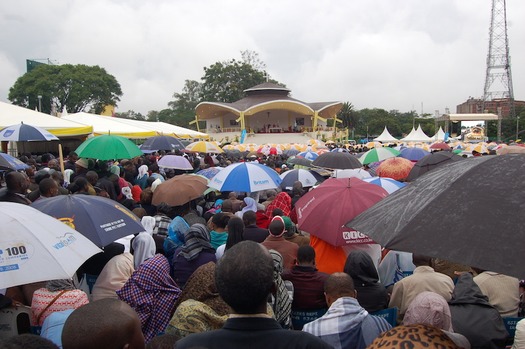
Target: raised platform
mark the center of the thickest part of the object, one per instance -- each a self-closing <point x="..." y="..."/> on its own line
<point x="263" y="138"/>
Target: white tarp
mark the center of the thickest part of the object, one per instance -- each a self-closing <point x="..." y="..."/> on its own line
<point x="385" y="137"/>
<point x="417" y="136"/>
<point x="103" y="125"/>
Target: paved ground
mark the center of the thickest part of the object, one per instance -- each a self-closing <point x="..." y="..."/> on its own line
<point x="263" y="138"/>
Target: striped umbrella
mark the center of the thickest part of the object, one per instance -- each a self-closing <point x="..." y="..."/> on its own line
<point x="310" y="155"/>
<point x="378" y="154"/>
<point x="245" y="177"/>
<point x="25" y="133"/>
<point x="389" y="184"/>
<point x="306" y="177"/>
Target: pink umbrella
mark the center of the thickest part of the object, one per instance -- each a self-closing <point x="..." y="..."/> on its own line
<point x="440" y="146"/>
<point x="395" y="168"/>
<point x="339" y="199"/>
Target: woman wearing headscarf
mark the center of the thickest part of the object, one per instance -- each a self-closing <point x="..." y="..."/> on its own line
<point x="282" y="201"/>
<point x="199" y="308"/>
<point x="430" y="308"/>
<point x="371" y="294"/>
<point x="281" y="300"/>
<point x="58" y="295"/>
<point x="418" y="336"/>
<point x="218" y="233"/>
<point x="176" y="232"/>
<point x="195" y="251"/>
<point x="143" y="248"/>
<point x="142" y="177"/>
<point x="216" y="208"/>
<point x="249" y="205"/>
<point x="152" y="293"/>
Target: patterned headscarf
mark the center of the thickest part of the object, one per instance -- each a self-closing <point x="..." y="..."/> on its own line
<point x="429" y="308"/>
<point x="201" y="287"/>
<point x="152" y="293"/>
<point x="282" y="201"/>
<point x="197" y="239"/>
<point x="413" y="336"/>
<point x="282" y="305"/>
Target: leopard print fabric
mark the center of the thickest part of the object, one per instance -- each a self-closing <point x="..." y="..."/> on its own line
<point x="414" y="337"/>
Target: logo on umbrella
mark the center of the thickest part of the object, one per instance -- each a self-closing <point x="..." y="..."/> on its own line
<point x="261" y="182"/>
<point x="64" y="241"/>
<point x="70" y="222"/>
<point x="8" y="133"/>
<point x="127" y="212"/>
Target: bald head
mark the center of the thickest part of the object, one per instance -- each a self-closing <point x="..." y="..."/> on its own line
<point x="338" y="285"/>
<point x="107" y="323"/>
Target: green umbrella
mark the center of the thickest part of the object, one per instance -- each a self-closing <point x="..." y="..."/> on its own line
<point x="378" y="154"/>
<point x="108" y="147"/>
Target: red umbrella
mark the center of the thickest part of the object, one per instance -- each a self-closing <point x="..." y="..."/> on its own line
<point x="324" y="210"/>
<point x="395" y="168"/>
<point x="440" y="146"/>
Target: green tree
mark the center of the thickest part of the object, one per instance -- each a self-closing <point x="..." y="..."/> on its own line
<point x="348" y="115"/>
<point x="131" y="114"/>
<point x="79" y="87"/>
<point x="184" y="104"/>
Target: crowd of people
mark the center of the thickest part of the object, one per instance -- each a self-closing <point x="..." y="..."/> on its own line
<point x="234" y="270"/>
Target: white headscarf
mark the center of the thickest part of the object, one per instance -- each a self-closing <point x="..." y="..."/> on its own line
<point x="143" y="170"/>
<point x="155" y="184"/>
<point x="148" y="223"/>
<point x="67" y="176"/>
<point x="126" y="191"/>
<point x="143" y="248"/>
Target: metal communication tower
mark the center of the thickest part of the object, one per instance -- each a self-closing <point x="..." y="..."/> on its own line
<point x="498" y="78"/>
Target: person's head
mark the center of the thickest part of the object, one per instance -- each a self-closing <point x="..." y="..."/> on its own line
<point x="235" y="230"/>
<point x="306" y="255"/>
<point x="338" y="285"/>
<point x="17" y="182"/>
<point x="277" y="212"/>
<point x="164" y="341"/>
<point x="81" y="165"/>
<point x="219" y="221"/>
<point x="53" y="164"/>
<point x="227" y="206"/>
<point x="271" y="194"/>
<point x="48" y="187"/>
<point x="244" y="277"/>
<point x="232" y="196"/>
<point x="106" y="323"/>
<point x="72" y="156"/>
<point x="146" y="196"/>
<point x="360" y="266"/>
<point x="58" y="177"/>
<point x="27" y="341"/>
<point x="40" y="175"/>
<point x="421" y="260"/>
<point x="139" y="212"/>
<point x="413" y="336"/>
<point x="297" y="188"/>
<point x="429" y="308"/>
<point x="92" y="177"/>
<point x="249" y="218"/>
<point x="80" y="185"/>
<point x="276" y="226"/>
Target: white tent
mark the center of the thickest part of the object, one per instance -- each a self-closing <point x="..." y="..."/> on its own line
<point x="163" y="128"/>
<point x="12" y="114"/>
<point x="385" y="137"/>
<point x="103" y="125"/>
<point x="417" y="136"/>
<point x="439" y="136"/>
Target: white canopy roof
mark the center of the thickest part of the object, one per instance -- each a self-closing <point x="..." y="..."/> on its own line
<point x="163" y="128"/>
<point x="11" y="114"/>
<point x="417" y="136"/>
<point x="103" y="125"/>
<point x="439" y="136"/>
<point x="385" y="137"/>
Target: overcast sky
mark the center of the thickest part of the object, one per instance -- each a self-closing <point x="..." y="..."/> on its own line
<point x="391" y="54"/>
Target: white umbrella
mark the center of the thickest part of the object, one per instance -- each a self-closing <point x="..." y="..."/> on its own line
<point x="36" y="247"/>
<point x="25" y="133"/>
<point x="245" y="177"/>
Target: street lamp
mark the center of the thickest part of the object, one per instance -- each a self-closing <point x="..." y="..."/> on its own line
<point x="39" y="103"/>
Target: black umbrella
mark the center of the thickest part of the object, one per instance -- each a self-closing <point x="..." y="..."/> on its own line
<point x="167" y="143"/>
<point x="296" y="160"/>
<point x="339" y="161"/>
<point x="471" y="212"/>
<point x="432" y="161"/>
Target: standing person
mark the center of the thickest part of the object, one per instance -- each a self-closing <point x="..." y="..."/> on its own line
<point x="244" y="278"/>
<point x="371" y="294"/>
<point x="282" y="201"/>
<point x="69" y="164"/>
<point x="346" y="325"/>
<point x="17" y="184"/>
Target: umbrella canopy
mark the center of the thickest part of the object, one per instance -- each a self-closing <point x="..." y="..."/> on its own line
<point x="469" y="212"/>
<point x="167" y="143"/>
<point x="440" y="146"/>
<point x="8" y="162"/>
<point x="176" y="162"/>
<point x="431" y="162"/>
<point x="36" y="247"/>
<point x="378" y="154"/>
<point x="306" y="177"/>
<point x="204" y="147"/>
<point x="245" y="177"/>
<point x="99" y="219"/>
<point x="25" y="133"/>
<point x="389" y="184"/>
<point x="511" y="149"/>
<point x="340" y="161"/>
<point x="294" y="160"/>
<point x="395" y="168"/>
<point x="209" y="172"/>
<point x="324" y="210"/>
<point x="356" y="172"/>
<point x="413" y="154"/>
<point x="180" y="190"/>
<point x="339" y="150"/>
<point x="291" y="152"/>
<point x="310" y="155"/>
<point x="108" y="147"/>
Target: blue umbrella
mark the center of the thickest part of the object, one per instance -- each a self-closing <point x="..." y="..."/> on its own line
<point x="245" y="177"/>
<point x="339" y="150"/>
<point x="413" y="154"/>
<point x="389" y="184"/>
<point x="25" y="133"/>
<point x="310" y="155"/>
<point x="8" y="162"/>
<point x="99" y="219"/>
<point x="209" y="172"/>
